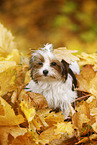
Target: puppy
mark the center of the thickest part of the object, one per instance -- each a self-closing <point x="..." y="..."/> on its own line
<point x="53" y="79"/>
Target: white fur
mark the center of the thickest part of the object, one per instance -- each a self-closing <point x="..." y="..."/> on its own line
<point x="75" y="67"/>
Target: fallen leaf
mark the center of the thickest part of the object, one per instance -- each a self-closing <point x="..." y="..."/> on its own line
<point x="14" y="56"/>
<point x="66" y="54"/>
<point x="94" y="126"/>
<point x="81" y="117"/>
<point x="93" y="85"/>
<point x="27" y="77"/>
<point x="14" y="131"/>
<point x="84" y="140"/>
<point x="20" y="75"/>
<point x="64" y="127"/>
<point x="88" y="59"/>
<point x="8" y="118"/>
<point x="5" y="65"/>
<point x="6" y="41"/>
<point x="87" y="139"/>
<point x="7" y="81"/>
<point x="25" y="139"/>
<point x="54" y="118"/>
<point x="49" y="135"/>
<point x="38" y="100"/>
<point x="29" y="112"/>
<point x="84" y="79"/>
<point x="79" y="120"/>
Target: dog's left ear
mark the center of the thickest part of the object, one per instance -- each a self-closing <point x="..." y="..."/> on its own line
<point x="65" y="69"/>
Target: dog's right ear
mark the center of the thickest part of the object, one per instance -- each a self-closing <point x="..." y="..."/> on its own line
<point x="65" y="68"/>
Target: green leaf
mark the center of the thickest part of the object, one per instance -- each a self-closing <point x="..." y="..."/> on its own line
<point x="69" y="7"/>
<point x="88" y="36"/>
<point x="61" y="21"/>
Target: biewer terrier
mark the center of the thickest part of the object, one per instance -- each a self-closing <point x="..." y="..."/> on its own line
<point x="53" y="79"/>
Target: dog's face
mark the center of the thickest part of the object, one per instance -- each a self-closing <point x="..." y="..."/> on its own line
<point x="45" y="67"/>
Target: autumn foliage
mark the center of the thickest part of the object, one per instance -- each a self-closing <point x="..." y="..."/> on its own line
<point x="25" y="117"/>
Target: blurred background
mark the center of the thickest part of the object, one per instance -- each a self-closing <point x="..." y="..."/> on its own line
<point x="69" y="23"/>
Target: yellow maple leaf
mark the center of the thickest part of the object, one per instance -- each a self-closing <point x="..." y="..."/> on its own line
<point x="14" y="56"/>
<point x="93" y="112"/>
<point x="29" y="112"/>
<point x="64" y="127"/>
<point x="53" y="118"/>
<point x="88" y="59"/>
<point x="14" y="131"/>
<point x="4" y="65"/>
<point x="81" y="116"/>
<point x="7" y="81"/>
<point x="27" y="77"/>
<point x="47" y="136"/>
<point x="85" y="78"/>
<point x="93" y="85"/>
<point x="6" y="41"/>
<point x="11" y="76"/>
<point x="66" y="54"/>
<point x="8" y="118"/>
<point x="94" y="126"/>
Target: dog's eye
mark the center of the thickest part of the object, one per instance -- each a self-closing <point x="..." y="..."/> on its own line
<point x="40" y="63"/>
<point x="53" y="64"/>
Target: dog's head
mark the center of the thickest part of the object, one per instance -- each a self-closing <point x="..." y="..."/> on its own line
<point x="44" y="65"/>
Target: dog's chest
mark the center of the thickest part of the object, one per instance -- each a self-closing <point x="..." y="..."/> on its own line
<point x="56" y="93"/>
<point x="53" y="93"/>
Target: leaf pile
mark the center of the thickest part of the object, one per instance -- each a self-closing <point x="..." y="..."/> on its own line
<point x="25" y="117"/>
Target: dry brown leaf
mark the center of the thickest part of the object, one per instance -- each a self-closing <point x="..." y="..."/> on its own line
<point x="85" y="77"/>
<point x="35" y="99"/>
<point x="79" y="120"/>
<point x="87" y="139"/>
<point x="88" y="73"/>
<point x="49" y="134"/>
<point x="70" y="141"/>
<point x="84" y="109"/>
<point x="84" y="140"/>
<point x="25" y="139"/>
<point x="20" y="75"/>
<point x="81" y="116"/>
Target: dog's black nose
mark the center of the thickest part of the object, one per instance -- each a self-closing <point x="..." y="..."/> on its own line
<point x="45" y="72"/>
